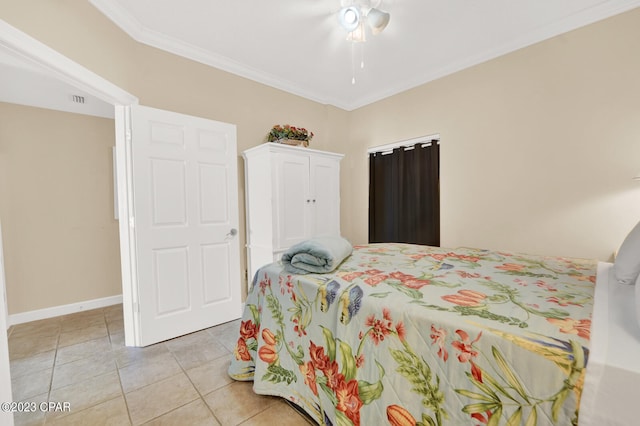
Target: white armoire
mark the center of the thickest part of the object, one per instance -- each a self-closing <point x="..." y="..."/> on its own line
<point x="291" y="194"/>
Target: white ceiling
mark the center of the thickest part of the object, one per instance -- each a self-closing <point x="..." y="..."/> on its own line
<point x="298" y="46"/>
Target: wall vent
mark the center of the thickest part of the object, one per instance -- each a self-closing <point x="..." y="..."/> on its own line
<point x="77" y="99"/>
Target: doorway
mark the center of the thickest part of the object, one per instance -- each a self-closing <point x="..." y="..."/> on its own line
<point x="61" y="236"/>
<point x="205" y="174"/>
<point x="39" y="56"/>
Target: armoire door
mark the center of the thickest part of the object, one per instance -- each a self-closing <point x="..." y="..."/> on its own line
<point x="325" y="196"/>
<point x="292" y="200"/>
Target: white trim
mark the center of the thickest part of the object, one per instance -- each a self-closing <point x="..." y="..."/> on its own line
<point x="57" y="311"/>
<point x="116" y="214"/>
<point x="3" y="288"/>
<point x="55" y="64"/>
<point x="409" y="143"/>
<point x="6" y="417"/>
<point x="128" y="262"/>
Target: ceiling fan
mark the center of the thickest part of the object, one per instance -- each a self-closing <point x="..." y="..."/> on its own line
<point x="356" y="15"/>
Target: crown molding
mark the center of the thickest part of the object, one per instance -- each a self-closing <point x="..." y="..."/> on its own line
<point x="603" y="10"/>
<point x="143" y="35"/>
<point x="586" y="17"/>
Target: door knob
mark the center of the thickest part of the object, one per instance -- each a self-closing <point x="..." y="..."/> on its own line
<point x="232" y="232"/>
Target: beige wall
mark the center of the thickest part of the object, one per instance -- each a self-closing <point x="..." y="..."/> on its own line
<point x="56" y="205"/>
<point x="538" y="147"/>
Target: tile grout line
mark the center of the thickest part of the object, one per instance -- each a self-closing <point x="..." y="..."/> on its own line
<point x="53" y="370"/>
<point x="124" y="396"/>
<point x="149" y="384"/>
<point x="194" y="386"/>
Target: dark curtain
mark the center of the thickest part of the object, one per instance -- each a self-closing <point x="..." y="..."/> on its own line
<point x="404" y="196"/>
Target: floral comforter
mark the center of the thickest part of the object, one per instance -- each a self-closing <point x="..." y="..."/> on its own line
<point x="403" y="334"/>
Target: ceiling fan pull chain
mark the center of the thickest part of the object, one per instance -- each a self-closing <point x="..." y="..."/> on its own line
<point x="353" y="66"/>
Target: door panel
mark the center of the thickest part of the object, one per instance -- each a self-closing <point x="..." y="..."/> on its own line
<point x="169" y="202"/>
<point x="325" y="193"/>
<point x="293" y="205"/>
<point x="215" y="269"/>
<point x="212" y="181"/>
<point x="185" y="205"/>
<point x="171" y="280"/>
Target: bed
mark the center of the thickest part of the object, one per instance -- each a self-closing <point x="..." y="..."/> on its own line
<point x="613" y="374"/>
<point x="404" y="334"/>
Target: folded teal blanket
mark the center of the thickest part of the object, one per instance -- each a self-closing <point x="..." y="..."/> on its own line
<point x="318" y="255"/>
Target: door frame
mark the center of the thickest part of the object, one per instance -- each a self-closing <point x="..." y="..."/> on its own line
<point x="57" y="65"/>
<point x="5" y="383"/>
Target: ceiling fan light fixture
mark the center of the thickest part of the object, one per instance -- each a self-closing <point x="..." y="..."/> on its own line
<point x="378" y="20"/>
<point x="358" y="35"/>
<point x="349" y="18"/>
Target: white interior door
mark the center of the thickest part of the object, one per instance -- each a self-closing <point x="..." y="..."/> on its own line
<point x="185" y="219"/>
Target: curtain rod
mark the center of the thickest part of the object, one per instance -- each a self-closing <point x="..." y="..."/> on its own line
<point x="405" y="143"/>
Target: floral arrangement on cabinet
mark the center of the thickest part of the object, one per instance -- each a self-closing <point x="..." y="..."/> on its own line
<point x="290" y="135"/>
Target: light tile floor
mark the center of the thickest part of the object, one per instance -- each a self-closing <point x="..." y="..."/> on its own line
<point x="81" y="359"/>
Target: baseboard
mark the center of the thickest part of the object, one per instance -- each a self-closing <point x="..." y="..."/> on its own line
<point x="56" y="311"/>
